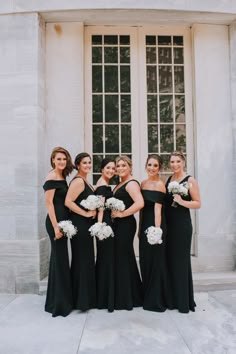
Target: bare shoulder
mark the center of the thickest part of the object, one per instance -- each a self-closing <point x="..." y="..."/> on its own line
<point x="192" y="181"/>
<point x="133" y="184"/>
<point x="100" y="183"/>
<point x="77" y="182"/>
<point x="51" y="175"/>
<point x="160" y="185"/>
<point x="143" y="183"/>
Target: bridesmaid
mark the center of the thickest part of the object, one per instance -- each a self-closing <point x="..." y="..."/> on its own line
<point x="83" y="262"/>
<point x="128" y="286"/>
<point x="153" y="257"/>
<point x="105" y="248"/>
<point x="59" y="293"/>
<point x="179" y="235"/>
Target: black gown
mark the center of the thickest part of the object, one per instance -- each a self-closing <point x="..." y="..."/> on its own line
<point x="83" y="260"/>
<point x="59" y="292"/>
<point x="128" y="286"/>
<point x="105" y="260"/>
<point x="179" y="237"/>
<point x="153" y="257"/>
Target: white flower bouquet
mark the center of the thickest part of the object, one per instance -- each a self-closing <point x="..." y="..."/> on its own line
<point x="93" y="202"/>
<point x="67" y="228"/>
<point x="115" y="204"/>
<point x="154" y="235"/>
<point x="178" y="188"/>
<point x="101" y="230"/>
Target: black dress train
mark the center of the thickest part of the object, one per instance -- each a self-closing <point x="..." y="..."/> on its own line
<point x="179" y="237"/>
<point x="59" y="293"/>
<point x="153" y="257"/>
<point x="105" y="260"/>
<point x="128" y="286"/>
<point x="83" y="261"/>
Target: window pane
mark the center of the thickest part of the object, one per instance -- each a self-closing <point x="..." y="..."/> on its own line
<point x="152" y="108"/>
<point x="124" y="54"/>
<point x="96" y="40"/>
<point x="181" y="137"/>
<point x="179" y="78"/>
<point x="97" y="78"/>
<point x="111" y="108"/>
<point x="165" y="163"/>
<point x="166" y="108"/>
<point x="125" y="78"/>
<point x="97" y="159"/>
<point x="97" y="54"/>
<point x="152" y="138"/>
<point x="164" y="40"/>
<point x="124" y="40"/>
<point x="111" y="55"/>
<point x="178" y="55"/>
<point x="165" y="78"/>
<point x="151" y="55"/>
<point x="97" y="108"/>
<point x="111" y="78"/>
<point x="164" y="55"/>
<point x="97" y="138"/>
<point x="151" y="79"/>
<point x="167" y="138"/>
<point x="178" y="40"/>
<point x="112" y="138"/>
<point x="125" y="139"/>
<point x="110" y="39"/>
<point x="179" y="109"/>
<point x="125" y="108"/>
<point x="151" y="40"/>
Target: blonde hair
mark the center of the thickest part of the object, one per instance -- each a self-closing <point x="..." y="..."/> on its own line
<point x="178" y="154"/>
<point x="126" y="159"/>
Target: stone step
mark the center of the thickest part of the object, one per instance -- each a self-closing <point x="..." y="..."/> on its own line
<point x="202" y="282"/>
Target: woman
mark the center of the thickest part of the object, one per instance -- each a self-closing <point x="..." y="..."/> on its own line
<point x="153" y="257"/>
<point x="59" y="293"/>
<point x="128" y="287"/>
<point x="179" y="234"/>
<point x="105" y="248"/>
<point x="83" y="264"/>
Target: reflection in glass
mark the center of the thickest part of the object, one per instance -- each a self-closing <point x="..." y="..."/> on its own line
<point x="179" y="109"/>
<point x="110" y="39"/>
<point x="111" y="108"/>
<point x="152" y="138"/>
<point x="125" y="108"/>
<point x="151" y="79"/>
<point x="165" y="78"/>
<point x="164" y="40"/>
<point x="167" y="138"/>
<point x="181" y="137"/>
<point x="164" y="55"/>
<point x="125" y="78"/>
<point x="152" y="108"/>
<point x="97" y="159"/>
<point x="151" y="55"/>
<point x="111" y="54"/>
<point x="166" y="108"/>
<point x="124" y="55"/>
<point x="179" y="78"/>
<point x="97" y="54"/>
<point x="111" y="78"/>
<point x="112" y="138"/>
<point x="97" y="78"/>
<point x="165" y="163"/>
<point x="125" y="138"/>
<point x="178" y="55"/>
<point x="97" y="108"/>
<point x="97" y="138"/>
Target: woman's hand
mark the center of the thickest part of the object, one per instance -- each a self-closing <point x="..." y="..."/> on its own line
<point x="91" y="214"/>
<point x="117" y="214"/>
<point x="177" y="198"/>
<point x="58" y="233"/>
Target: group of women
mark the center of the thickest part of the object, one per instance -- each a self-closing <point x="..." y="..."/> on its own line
<point x="113" y="281"/>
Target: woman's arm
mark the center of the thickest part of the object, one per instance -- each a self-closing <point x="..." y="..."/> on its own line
<point x="195" y="203"/>
<point x="75" y="189"/>
<point x="49" y="195"/>
<point x="134" y="191"/>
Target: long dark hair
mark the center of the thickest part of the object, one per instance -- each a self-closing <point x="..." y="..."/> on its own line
<point x="79" y="158"/>
<point x="69" y="165"/>
<point x="106" y="161"/>
<point x="155" y="157"/>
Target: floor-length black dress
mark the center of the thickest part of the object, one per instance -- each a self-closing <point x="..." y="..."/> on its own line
<point x="105" y="260"/>
<point x="59" y="292"/>
<point x="83" y="261"/>
<point x="179" y="237"/>
<point x="128" y="286"/>
<point x="153" y="257"/>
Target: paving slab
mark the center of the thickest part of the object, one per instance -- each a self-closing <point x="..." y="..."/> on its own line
<point x="5" y="299"/>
